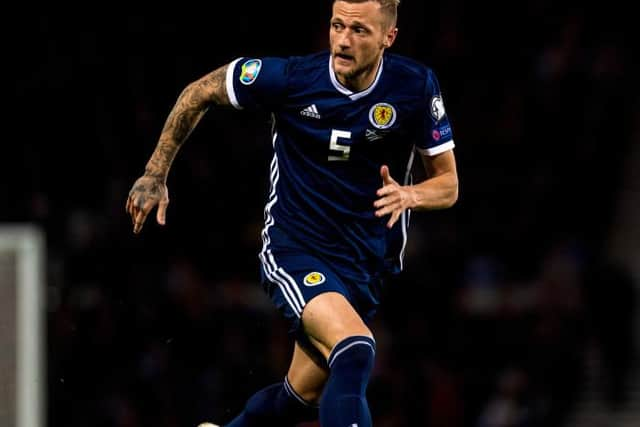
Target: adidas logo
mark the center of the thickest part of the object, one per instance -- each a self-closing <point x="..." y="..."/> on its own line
<point x="310" y="111"/>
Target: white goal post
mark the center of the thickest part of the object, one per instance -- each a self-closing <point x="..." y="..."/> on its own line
<point x="22" y="327"/>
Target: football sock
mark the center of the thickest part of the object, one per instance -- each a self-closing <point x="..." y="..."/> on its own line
<point x="344" y="402"/>
<point x="276" y="405"/>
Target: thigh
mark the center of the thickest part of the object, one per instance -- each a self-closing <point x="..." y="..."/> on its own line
<point x="328" y="319"/>
<point x="292" y="278"/>
<point x="306" y="376"/>
<point x="317" y="303"/>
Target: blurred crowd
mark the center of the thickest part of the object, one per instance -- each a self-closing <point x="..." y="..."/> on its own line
<point x="503" y="297"/>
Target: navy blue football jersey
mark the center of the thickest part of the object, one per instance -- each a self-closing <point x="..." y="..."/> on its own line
<point x="329" y="144"/>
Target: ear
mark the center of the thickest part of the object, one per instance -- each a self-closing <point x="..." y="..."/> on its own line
<point x="390" y="37"/>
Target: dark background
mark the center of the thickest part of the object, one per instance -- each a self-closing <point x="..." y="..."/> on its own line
<point x="504" y="295"/>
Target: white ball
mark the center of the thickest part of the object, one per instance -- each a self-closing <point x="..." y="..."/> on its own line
<point x="208" y="425"/>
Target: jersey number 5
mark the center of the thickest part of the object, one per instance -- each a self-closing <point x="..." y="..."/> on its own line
<point x="342" y="147"/>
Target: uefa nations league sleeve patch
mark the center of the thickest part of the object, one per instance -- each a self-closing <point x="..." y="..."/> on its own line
<point x="250" y="70"/>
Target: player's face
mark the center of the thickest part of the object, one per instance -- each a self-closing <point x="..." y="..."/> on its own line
<point x="358" y="36"/>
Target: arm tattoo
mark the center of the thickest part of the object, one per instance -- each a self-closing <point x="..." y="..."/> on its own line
<point x="192" y="104"/>
<point x="153" y="190"/>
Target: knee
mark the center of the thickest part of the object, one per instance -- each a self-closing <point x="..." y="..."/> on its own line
<point x="354" y="357"/>
<point x="329" y="319"/>
<point x="358" y="349"/>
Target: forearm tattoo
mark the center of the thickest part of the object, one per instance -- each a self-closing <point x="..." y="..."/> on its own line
<point x="192" y="104"/>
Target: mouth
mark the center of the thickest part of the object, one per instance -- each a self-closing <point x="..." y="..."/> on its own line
<point x="343" y="57"/>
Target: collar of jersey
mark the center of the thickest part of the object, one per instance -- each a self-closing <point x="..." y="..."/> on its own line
<point x="351" y="94"/>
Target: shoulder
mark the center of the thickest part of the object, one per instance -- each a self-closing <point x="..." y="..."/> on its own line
<point x="295" y="64"/>
<point x="314" y="62"/>
<point x="407" y="68"/>
<point x="410" y="75"/>
<point x="305" y="71"/>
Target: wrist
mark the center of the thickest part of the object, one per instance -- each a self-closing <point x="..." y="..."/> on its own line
<point x="414" y="197"/>
<point x="156" y="175"/>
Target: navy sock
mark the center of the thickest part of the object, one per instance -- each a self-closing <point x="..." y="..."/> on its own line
<point x="276" y="405"/>
<point x="344" y="402"/>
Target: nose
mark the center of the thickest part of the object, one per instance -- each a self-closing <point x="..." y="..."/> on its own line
<point x="344" y="40"/>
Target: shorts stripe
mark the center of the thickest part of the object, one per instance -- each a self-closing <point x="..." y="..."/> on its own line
<point x="285" y="291"/>
<point x="292" y="282"/>
<point x="279" y="276"/>
<point x="274" y="273"/>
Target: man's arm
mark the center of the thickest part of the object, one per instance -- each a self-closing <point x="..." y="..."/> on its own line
<point x="150" y="189"/>
<point x="438" y="191"/>
<point x="192" y="104"/>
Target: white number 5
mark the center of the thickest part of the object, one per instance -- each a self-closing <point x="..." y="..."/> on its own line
<point x="335" y="146"/>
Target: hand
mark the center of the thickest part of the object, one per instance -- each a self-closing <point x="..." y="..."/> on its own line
<point x="146" y="193"/>
<point x="393" y="197"/>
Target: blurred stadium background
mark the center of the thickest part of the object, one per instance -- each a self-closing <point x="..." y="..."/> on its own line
<point x="518" y="306"/>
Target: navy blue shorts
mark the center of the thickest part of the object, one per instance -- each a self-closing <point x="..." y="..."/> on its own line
<point x="292" y="277"/>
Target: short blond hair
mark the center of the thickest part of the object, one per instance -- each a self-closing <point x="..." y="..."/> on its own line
<point x="388" y="7"/>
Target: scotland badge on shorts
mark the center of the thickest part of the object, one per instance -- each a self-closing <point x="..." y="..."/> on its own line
<point x="313" y="279"/>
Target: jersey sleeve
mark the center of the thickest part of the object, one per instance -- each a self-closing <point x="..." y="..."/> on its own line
<point x="437" y="136"/>
<point x="256" y="82"/>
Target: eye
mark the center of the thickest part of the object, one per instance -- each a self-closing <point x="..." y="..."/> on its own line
<point x="337" y="26"/>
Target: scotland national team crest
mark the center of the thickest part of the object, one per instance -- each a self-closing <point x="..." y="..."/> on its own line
<point x="437" y="108"/>
<point x="382" y="115"/>
<point x="250" y="70"/>
<point x="313" y="279"/>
